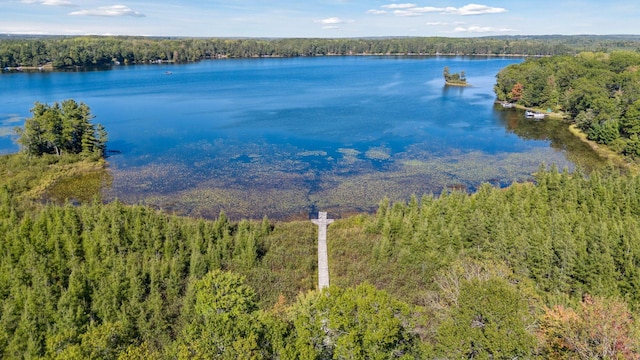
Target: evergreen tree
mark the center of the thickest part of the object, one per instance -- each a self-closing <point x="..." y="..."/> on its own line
<point x="62" y="128"/>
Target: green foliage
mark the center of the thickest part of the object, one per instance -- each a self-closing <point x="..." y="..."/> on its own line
<point x="62" y="128"/>
<point x="455" y="78"/>
<point x="106" y="50"/>
<point x="224" y="322"/>
<point x="490" y="321"/>
<point x="354" y="323"/>
<point x="600" y="91"/>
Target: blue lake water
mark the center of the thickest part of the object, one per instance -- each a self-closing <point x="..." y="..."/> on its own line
<point x="282" y="137"/>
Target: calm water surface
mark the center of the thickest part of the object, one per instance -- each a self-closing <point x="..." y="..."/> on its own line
<point x="282" y="137"/>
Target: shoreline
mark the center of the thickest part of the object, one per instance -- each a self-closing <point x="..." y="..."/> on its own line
<point x="49" y="66"/>
<point x="551" y="115"/>
<point x="447" y="83"/>
<point x="602" y="151"/>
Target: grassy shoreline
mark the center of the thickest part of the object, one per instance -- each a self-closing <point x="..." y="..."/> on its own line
<point x="53" y="179"/>
<point x="606" y="153"/>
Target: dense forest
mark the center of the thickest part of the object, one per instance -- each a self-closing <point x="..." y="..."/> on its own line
<point x="61" y="51"/>
<point x="547" y="270"/>
<point x="599" y="91"/>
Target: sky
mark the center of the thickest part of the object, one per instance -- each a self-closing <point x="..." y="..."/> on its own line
<point x="319" y="18"/>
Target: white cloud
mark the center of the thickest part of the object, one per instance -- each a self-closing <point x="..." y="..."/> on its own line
<point x="331" y="20"/>
<point x="57" y="3"/>
<point x="399" y="6"/>
<point x="406" y="13"/>
<point x="49" y="2"/>
<point x="332" y="23"/>
<point x="426" y="9"/>
<point x="440" y="23"/>
<point x="115" y="10"/>
<point x="409" y="9"/>
<point x="474" y="9"/>
<point x="480" y="29"/>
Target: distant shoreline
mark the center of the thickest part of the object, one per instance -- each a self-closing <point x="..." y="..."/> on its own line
<point x="49" y="66"/>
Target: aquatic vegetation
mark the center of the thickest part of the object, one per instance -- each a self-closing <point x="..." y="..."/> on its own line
<point x="312" y="153"/>
<point x="8" y="123"/>
<point x="11" y="119"/>
<point x="83" y="187"/>
<point x="6" y="131"/>
<point x="348" y="152"/>
<point x="378" y="153"/>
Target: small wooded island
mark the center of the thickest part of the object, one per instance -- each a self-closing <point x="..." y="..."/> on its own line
<point x="455" y="79"/>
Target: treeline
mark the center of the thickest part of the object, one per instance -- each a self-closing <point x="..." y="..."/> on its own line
<point x="99" y="51"/>
<point x="532" y="271"/>
<point x="582" y="43"/>
<point x="599" y="91"/>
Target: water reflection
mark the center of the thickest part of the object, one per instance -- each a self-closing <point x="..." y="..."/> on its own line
<point x="554" y="131"/>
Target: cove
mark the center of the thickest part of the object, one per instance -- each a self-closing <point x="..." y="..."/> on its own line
<point x="283" y="137"/>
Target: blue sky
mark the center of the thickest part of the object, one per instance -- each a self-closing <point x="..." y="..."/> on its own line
<point x="319" y="18"/>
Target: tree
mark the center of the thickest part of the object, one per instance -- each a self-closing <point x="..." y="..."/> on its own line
<point x="630" y="122"/>
<point x="354" y="323"/>
<point x="600" y="329"/>
<point x="224" y="322"/>
<point x="447" y="75"/>
<point x="62" y="128"/>
<point x="489" y="321"/>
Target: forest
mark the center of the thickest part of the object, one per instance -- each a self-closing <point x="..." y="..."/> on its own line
<point x="599" y="91"/>
<point x="88" y="51"/>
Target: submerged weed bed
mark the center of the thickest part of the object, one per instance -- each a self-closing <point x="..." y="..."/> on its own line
<point x="286" y="182"/>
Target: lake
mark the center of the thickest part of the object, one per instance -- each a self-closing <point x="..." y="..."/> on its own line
<point x="286" y="137"/>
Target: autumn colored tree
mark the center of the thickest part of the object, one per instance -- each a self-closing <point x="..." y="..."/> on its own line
<point x="516" y="92"/>
<point x="599" y="329"/>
